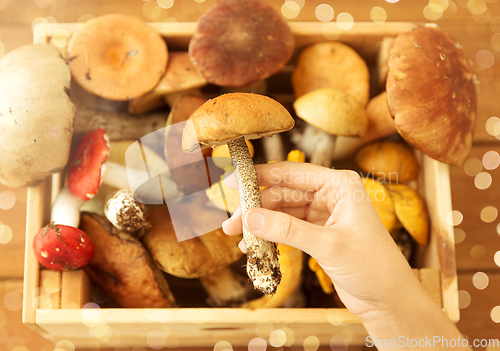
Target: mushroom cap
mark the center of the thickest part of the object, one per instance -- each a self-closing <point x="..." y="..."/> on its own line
<point x="431" y="93"/>
<point x="36" y="114"/>
<point x="234" y="115"/>
<point x="118" y="57"/>
<point x="86" y="164"/>
<point x="410" y="210"/>
<point x="382" y="202"/>
<point x="192" y="258"/>
<point x="332" y="64"/>
<point x="332" y="111"/>
<point x="239" y="42"/>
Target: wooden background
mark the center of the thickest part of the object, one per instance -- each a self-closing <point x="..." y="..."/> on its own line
<point x="474" y="23"/>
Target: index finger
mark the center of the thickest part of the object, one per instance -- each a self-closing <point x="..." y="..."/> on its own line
<point x="294" y="175"/>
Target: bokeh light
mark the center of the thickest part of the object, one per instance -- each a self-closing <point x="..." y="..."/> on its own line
<point x="491" y="160"/>
<point x="331" y="31"/>
<point x="156" y="339"/>
<point x="477" y="252"/>
<point x="223" y="346"/>
<point x="378" y="15"/>
<point x="13" y="301"/>
<point x="339" y="343"/>
<point x="454" y="218"/>
<point x="495" y="24"/>
<point x="495" y="314"/>
<point x="483" y="18"/>
<point x="483" y="180"/>
<point x="498" y="229"/>
<point x="290" y="9"/>
<point x="43" y="3"/>
<point x="345" y="21"/>
<point x="311" y="343"/>
<point x="480" y="280"/>
<point x="392" y="1"/>
<point x="489" y="214"/>
<point x="495" y="41"/>
<point x="257" y="344"/>
<point x="7" y="200"/>
<point x="301" y="3"/>
<point x="290" y="336"/>
<point x="473" y="166"/>
<point x="166" y="4"/>
<point x="432" y="15"/>
<point x="491" y="124"/>
<point x="477" y="7"/>
<point x="496" y="258"/>
<point x="459" y="235"/>
<point x="65" y="345"/>
<point x="463" y="299"/>
<point x="189" y="7"/>
<point x="324" y="13"/>
<point x="277" y="338"/>
<point x="5" y="233"/>
<point x="264" y="329"/>
<point x="485" y="59"/>
<point x="60" y="38"/>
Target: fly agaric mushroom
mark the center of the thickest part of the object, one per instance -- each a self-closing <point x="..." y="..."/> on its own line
<point x="431" y="92"/>
<point x="179" y="76"/>
<point x="230" y="119"/>
<point x="36" y="114"/>
<point x="239" y="42"/>
<point x="331" y="64"/>
<point x="118" y="57"/>
<point x="393" y="161"/>
<point x="329" y="112"/>
<point x="380" y="125"/>
<point x="88" y="168"/>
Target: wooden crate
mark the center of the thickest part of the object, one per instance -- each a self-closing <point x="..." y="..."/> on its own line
<point x="196" y="327"/>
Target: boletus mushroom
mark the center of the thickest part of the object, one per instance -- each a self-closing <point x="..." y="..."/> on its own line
<point x="239" y="42"/>
<point x="431" y="93"/>
<point x="230" y="119"/>
<point x="118" y="57"/>
<point x="36" y="114"/>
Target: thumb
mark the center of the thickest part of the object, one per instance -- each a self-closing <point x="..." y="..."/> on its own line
<point x="282" y="228"/>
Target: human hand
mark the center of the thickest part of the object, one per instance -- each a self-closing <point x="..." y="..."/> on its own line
<point x="327" y="214"/>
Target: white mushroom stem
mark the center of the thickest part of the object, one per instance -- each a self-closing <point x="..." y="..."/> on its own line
<point x="273" y="148"/>
<point x="66" y="209"/>
<point x="262" y="258"/>
<point x="121" y="177"/>
<point x="318" y="145"/>
<point x="225" y="288"/>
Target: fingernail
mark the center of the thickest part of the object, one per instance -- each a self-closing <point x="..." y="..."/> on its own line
<point x="225" y="224"/>
<point x="254" y="220"/>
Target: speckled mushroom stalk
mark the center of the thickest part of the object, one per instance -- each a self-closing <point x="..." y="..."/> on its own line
<point x="125" y="213"/>
<point x="262" y="259"/>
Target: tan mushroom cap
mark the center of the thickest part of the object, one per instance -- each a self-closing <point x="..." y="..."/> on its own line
<point x="118" y="57"/>
<point x="335" y="65"/>
<point x="431" y="92"/>
<point x="234" y="115"/>
<point x="203" y="254"/>
<point x="332" y="111"/>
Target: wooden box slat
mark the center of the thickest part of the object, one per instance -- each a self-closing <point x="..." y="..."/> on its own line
<point x="196" y="327"/>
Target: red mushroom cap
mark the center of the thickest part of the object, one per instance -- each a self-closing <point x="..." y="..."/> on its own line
<point x="240" y="42"/>
<point x="61" y="247"/>
<point x="86" y="165"/>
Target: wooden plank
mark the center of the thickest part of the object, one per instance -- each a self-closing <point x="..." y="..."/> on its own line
<point x="430" y="278"/>
<point x="477" y="250"/>
<point x="75" y="289"/>
<point x="50" y="292"/>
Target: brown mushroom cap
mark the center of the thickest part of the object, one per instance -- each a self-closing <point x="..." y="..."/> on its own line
<point x="192" y="258"/>
<point x="332" y="111"/>
<point x="118" y="57"/>
<point x="239" y="42"/>
<point x="335" y="65"/>
<point x="431" y="92"/>
<point x="234" y="115"/>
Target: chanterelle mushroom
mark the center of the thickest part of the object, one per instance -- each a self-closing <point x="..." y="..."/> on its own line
<point x="230" y="119"/>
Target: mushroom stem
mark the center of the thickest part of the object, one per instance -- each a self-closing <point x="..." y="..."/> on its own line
<point x="273" y="148"/>
<point x="324" y="150"/>
<point x="66" y="209"/>
<point x="262" y="258"/>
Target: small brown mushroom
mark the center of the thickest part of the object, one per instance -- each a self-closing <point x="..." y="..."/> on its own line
<point x="118" y="57"/>
<point x="179" y="76"/>
<point x="431" y="92"/>
<point x="229" y="119"/>
<point x="328" y="112"/>
<point x="332" y="64"/>
<point x="393" y="161"/>
<point x="239" y="42"/>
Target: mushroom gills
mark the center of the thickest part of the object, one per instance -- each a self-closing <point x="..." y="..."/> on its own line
<point x="262" y="258"/>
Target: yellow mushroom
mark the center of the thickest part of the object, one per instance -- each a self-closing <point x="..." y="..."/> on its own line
<point x="324" y="279"/>
<point x="222" y="197"/>
<point x="393" y="161"/>
<point x="382" y="201"/>
<point x="222" y="158"/>
<point x="410" y="209"/>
